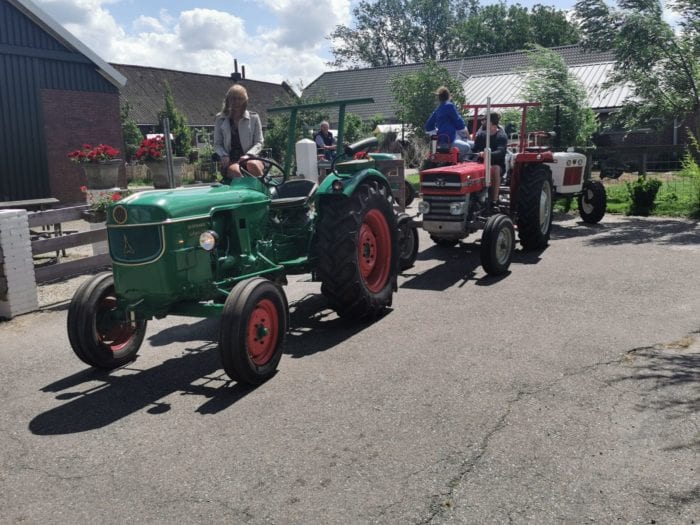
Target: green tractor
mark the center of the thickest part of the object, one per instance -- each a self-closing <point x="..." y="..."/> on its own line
<point x="226" y="249"/>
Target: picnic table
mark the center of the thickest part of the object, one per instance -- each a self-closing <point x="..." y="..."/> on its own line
<point x="29" y="204"/>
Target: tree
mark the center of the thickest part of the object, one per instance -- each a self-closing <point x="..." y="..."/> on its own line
<point x="390" y="32"/>
<point x="660" y="65"/>
<point x="549" y="82"/>
<point x="355" y="129"/>
<point x="379" y="26"/>
<point x="130" y="131"/>
<point x="182" y="135"/>
<point x="276" y="132"/>
<point x="414" y="94"/>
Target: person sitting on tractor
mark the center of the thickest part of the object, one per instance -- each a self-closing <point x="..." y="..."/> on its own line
<point x="498" y="143"/>
<point x="325" y="141"/>
<point x="237" y="132"/>
<point x="448" y="124"/>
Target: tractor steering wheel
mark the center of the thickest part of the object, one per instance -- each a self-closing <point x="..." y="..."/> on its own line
<point x="268" y="164"/>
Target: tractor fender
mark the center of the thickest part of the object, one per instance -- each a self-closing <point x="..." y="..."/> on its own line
<point x="351" y="182"/>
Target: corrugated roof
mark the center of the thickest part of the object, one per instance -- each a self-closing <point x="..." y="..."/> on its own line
<point x="374" y="82"/>
<point x="506" y="88"/>
<point x="197" y="96"/>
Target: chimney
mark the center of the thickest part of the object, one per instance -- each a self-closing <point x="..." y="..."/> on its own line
<point x="235" y="76"/>
<point x="243" y="71"/>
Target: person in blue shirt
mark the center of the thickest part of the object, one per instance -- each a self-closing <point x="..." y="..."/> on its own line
<point x="448" y="124"/>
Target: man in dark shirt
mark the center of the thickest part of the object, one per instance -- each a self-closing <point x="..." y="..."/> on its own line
<point x="498" y="143"/>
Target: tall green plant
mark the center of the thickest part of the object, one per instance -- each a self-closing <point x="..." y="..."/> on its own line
<point x="549" y="82"/>
<point x="182" y="135"/>
<point x="691" y="171"/>
<point x="130" y="131"/>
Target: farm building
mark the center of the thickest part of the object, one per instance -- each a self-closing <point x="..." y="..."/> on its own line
<point x="198" y="96"/>
<point x="55" y="95"/>
<point x="500" y="76"/>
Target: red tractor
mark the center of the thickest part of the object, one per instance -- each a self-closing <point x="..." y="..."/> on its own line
<point x="456" y="202"/>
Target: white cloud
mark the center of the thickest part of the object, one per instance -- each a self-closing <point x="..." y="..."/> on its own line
<point x="207" y="40"/>
<point x="300" y="26"/>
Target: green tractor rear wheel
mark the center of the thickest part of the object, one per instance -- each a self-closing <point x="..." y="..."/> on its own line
<point x="357" y="246"/>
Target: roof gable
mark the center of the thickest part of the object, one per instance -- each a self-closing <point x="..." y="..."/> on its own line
<point x="57" y="31"/>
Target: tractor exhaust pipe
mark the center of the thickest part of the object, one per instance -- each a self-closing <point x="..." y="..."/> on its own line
<point x="487" y="149"/>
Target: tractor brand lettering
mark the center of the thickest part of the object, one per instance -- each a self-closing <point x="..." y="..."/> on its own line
<point x="196" y="228"/>
<point x="127" y="249"/>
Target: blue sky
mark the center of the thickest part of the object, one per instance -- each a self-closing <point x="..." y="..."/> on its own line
<point x="276" y="40"/>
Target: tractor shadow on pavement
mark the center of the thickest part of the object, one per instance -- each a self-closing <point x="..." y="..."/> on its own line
<point x="95" y="399"/>
<point x="314" y="327"/>
<point x="632" y="230"/>
<point x="458" y="266"/>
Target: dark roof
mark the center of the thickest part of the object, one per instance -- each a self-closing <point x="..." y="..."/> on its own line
<point x="374" y="82"/>
<point x="197" y="96"/>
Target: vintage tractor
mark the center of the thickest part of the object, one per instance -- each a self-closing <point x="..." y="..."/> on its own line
<point x="225" y="250"/>
<point x="455" y="195"/>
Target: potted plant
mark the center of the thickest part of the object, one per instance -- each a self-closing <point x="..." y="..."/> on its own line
<point x="100" y="164"/>
<point x="152" y="153"/>
<point x="99" y="201"/>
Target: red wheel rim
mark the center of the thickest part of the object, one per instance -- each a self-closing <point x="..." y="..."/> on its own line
<point x="110" y="333"/>
<point x="374" y="250"/>
<point x="263" y="331"/>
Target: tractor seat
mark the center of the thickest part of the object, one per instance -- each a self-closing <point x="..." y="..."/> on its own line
<point x="293" y="193"/>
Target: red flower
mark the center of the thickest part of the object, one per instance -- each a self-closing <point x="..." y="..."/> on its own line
<point x="151" y="149"/>
<point x="99" y="153"/>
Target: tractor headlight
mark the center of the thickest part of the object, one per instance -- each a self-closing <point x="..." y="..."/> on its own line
<point x="457" y="208"/>
<point x="207" y="240"/>
<point x="424" y="207"/>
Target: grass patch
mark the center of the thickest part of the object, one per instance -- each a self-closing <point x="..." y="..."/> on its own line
<point x="679" y="195"/>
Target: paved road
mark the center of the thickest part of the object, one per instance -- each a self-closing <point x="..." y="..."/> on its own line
<point x="565" y="392"/>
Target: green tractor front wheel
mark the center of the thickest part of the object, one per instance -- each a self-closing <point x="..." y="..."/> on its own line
<point x="99" y="336"/>
<point x="253" y="330"/>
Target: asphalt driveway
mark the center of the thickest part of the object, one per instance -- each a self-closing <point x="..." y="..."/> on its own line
<point x="567" y="391"/>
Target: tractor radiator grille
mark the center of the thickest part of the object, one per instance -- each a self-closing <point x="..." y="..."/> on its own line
<point x="440" y="209"/>
<point x="135" y="244"/>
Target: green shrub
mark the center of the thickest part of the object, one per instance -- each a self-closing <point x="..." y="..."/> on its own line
<point x="642" y="193"/>
<point x="691" y="171"/>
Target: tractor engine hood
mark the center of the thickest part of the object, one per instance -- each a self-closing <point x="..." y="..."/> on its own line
<point x="184" y="203"/>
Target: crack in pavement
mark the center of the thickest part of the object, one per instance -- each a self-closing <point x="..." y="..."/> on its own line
<point x="443" y="502"/>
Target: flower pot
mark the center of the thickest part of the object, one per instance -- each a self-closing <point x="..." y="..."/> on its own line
<point x="159" y="172"/>
<point x="102" y="175"/>
<point x="94" y="215"/>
